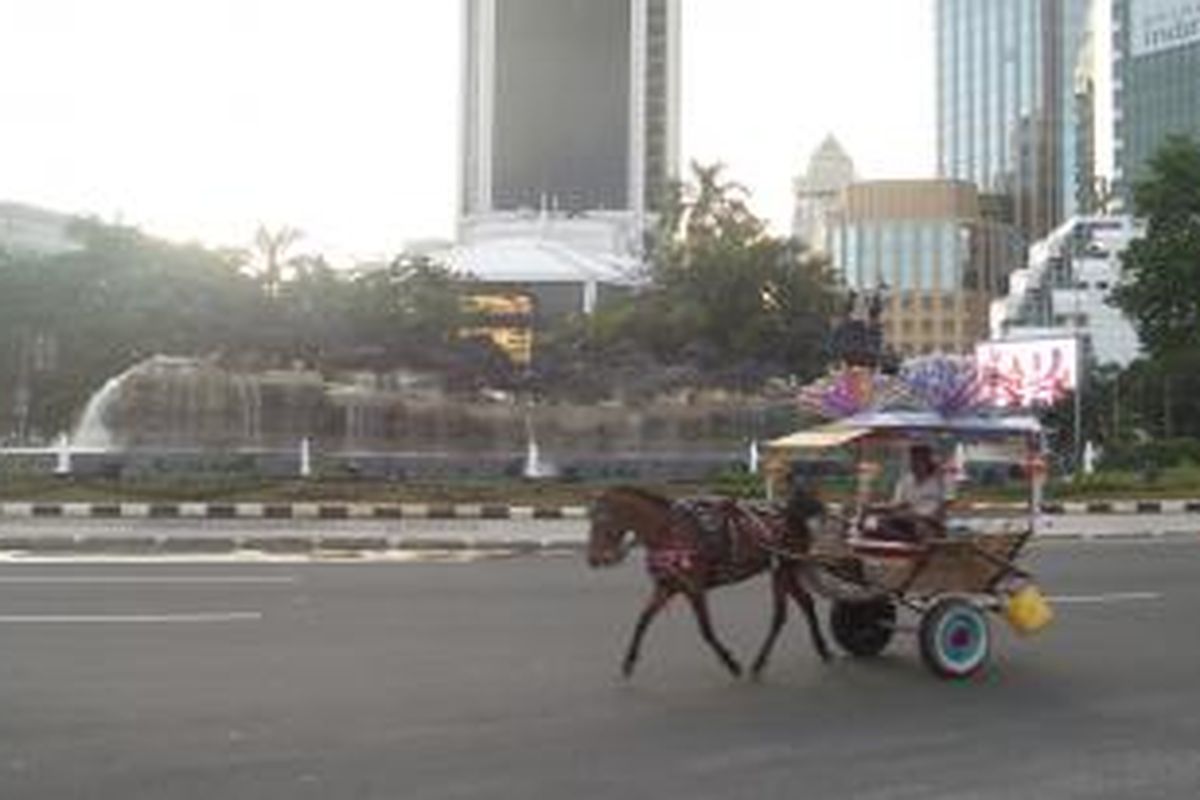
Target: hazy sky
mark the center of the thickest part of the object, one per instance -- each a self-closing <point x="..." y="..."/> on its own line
<point x="201" y="118"/>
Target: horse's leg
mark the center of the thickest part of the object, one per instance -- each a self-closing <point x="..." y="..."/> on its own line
<point x="698" y="598"/>
<point x="804" y="599"/>
<point x="655" y="604"/>
<point x="778" y="618"/>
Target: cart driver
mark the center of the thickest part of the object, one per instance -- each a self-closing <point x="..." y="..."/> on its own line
<point x="918" y="506"/>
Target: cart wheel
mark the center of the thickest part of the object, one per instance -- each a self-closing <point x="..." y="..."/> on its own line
<point x="954" y="638"/>
<point x="863" y="629"/>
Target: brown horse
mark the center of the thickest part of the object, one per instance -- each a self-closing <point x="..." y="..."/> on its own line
<point x="696" y="545"/>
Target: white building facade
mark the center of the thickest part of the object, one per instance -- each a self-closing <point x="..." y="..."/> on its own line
<point x="820" y="192"/>
<point x="28" y="230"/>
<point x="1066" y="287"/>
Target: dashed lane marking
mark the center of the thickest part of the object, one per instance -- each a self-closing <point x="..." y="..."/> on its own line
<point x="258" y="557"/>
<point x="87" y="580"/>
<point x="1110" y="597"/>
<point x="134" y="619"/>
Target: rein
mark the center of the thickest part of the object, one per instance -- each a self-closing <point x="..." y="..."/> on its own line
<point x="764" y="540"/>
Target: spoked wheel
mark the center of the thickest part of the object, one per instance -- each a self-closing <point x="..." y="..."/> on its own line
<point x="955" y="639"/>
<point x="863" y="629"/>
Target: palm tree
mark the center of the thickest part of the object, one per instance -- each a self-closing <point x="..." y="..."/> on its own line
<point x="272" y="246"/>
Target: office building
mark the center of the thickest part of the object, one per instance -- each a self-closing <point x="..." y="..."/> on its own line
<point x="1008" y="117"/>
<point x="1065" y="288"/>
<point x="570" y="110"/>
<point x="1156" y="45"/>
<point x="818" y="192"/>
<point x="29" y="230"/>
<point x="936" y="253"/>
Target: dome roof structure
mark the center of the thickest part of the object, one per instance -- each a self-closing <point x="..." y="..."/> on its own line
<point x="532" y="260"/>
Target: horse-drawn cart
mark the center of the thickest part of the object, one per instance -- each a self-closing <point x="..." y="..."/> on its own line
<point x="949" y="564"/>
<point x="953" y="571"/>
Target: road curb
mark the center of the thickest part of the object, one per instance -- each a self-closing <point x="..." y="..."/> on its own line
<point x="468" y="511"/>
<point x="322" y="511"/>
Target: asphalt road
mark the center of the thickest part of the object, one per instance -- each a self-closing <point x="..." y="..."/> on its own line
<point x="497" y="679"/>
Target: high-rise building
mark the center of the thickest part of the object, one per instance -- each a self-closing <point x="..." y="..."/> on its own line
<point x="1007" y="107"/>
<point x="933" y="249"/>
<point x="1156" y="46"/>
<point x="29" y="230"/>
<point x="818" y="192"/>
<point x="570" y="109"/>
<point x="1066" y="287"/>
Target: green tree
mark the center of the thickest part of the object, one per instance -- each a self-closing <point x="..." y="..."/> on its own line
<point x="728" y="296"/>
<point x="1161" y="292"/>
<point x="71" y="321"/>
<point x="272" y="247"/>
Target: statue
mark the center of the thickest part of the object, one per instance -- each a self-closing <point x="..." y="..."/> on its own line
<point x="857" y="339"/>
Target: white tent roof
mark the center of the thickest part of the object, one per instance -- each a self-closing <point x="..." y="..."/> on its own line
<point x="534" y="260"/>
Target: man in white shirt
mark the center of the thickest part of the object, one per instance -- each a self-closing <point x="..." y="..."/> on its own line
<point x="919" y="502"/>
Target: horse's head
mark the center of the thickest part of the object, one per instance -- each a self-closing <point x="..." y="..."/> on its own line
<point x="609" y="538"/>
<point x="622" y="517"/>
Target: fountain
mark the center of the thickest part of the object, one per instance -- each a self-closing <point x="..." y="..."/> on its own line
<point x="62" y="462"/>
<point x="91" y="431"/>
<point x="306" y="457"/>
<point x="535" y="467"/>
<point x="193" y="416"/>
<point x="172" y="402"/>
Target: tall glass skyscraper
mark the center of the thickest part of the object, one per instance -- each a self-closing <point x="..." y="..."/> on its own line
<point x="569" y="105"/>
<point x="1157" y="69"/>
<point x="1007" y="112"/>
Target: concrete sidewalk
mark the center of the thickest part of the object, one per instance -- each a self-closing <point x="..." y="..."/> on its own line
<point x="366" y="531"/>
<point x="469" y="511"/>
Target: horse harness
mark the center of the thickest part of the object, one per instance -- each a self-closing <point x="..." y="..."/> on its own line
<point x="727" y="536"/>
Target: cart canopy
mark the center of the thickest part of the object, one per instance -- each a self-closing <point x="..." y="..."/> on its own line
<point x="902" y="423"/>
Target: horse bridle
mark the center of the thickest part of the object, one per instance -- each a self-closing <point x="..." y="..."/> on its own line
<point x="617" y="542"/>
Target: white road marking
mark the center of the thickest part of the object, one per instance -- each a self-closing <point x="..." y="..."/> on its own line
<point x="147" y="579"/>
<point x="256" y="557"/>
<point x="85" y="619"/>
<point x="1112" y="597"/>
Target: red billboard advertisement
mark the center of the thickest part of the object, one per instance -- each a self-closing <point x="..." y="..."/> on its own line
<point x="1030" y="373"/>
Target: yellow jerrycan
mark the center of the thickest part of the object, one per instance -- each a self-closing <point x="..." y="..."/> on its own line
<point x="1027" y="610"/>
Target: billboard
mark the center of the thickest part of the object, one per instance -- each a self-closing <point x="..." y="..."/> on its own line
<point x="1029" y="373"/>
<point x="1157" y="25"/>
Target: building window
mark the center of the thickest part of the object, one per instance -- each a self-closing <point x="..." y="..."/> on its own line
<point x="940" y="279"/>
<point x="868" y="269"/>
<point x="853" y="257"/>
<point x="888" y="255"/>
<point x="906" y="262"/>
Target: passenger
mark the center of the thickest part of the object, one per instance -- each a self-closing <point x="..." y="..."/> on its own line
<point x="918" y="506"/>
